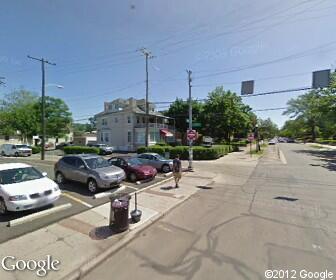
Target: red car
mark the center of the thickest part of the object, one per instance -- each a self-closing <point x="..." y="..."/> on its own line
<point x="134" y="168"/>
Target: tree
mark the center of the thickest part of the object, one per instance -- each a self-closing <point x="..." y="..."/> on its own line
<point x="225" y="114"/>
<point x="18" y="114"/>
<point x="179" y="110"/>
<point x="57" y="115"/>
<point x="267" y="128"/>
<point x="21" y="111"/>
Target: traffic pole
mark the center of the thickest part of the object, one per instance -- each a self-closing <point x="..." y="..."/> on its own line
<point x="190" y="167"/>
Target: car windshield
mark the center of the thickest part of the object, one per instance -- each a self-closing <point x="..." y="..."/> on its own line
<point x="133" y="161"/>
<point x="22" y="146"/>
<point x="19" y="175"/>
<point x="97" y="162"/>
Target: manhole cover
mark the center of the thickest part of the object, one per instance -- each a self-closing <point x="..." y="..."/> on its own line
<point x="286" y="198"/>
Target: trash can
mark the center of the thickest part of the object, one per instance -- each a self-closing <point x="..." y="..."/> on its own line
<point x="119" y="214"/>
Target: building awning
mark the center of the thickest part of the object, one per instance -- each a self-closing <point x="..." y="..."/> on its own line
<point x="166" y="133"/>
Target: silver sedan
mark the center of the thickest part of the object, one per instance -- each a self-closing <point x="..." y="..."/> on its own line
<point x="157" y="161"/>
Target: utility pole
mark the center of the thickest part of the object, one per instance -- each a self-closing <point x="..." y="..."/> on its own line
<point x="43" y="62"/>
<point x="190" y="168"/>
<point x="147" y="55"/>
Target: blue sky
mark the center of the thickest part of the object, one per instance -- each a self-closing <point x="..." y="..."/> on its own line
<point x="95" y="43"/>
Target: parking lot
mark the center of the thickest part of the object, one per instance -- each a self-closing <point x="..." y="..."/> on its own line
<point x="72" y="193"/>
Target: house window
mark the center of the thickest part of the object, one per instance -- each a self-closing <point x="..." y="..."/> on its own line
<point x="104" y="121"/>
<point x="106" y="138"/>
<point x="116" y="120"/>
<point x="129" y="119"/>
<point x="101" y="137"/>
<point x="138" y="120"/>
<point x="129" y="136"/>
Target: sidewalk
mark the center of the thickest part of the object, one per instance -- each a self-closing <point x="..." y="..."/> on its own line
<point x="322" y="146"/>
<point x="82" y="241"/>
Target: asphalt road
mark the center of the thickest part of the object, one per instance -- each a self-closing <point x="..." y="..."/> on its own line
<point x="274" y="216"/>
<point x="72" y="192"/>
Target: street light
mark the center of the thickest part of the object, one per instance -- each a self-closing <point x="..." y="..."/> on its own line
<point x="43" y="117"/>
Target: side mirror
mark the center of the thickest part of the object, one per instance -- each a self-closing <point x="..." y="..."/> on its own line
<point x="81" y="167"/>
<point x="44" y="174"/>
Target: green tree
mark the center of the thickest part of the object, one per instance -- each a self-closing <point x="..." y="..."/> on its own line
<point x="225" y="114"/>
<point x="267" y="128"/>
<point x="18" y="114"/>
<point x="179" y="110"/>
<point x="58" y="116"/>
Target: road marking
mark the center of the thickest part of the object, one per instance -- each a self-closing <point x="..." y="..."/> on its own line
<point x="282" y="157"/>
<point x="168" y="174"/>
<point x="37" y="215"/>
<point x="108" y="193"/>
<point x="76" y="199"/>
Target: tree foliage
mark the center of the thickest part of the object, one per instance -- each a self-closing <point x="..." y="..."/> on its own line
<point x="21" y="111"/>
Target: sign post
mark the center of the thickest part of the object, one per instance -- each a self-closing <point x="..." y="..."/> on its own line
<point x="250" y="139"/>
<point x="191" y="136"/>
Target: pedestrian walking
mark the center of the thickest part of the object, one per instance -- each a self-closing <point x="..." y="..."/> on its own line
<point x="177" y="170"/>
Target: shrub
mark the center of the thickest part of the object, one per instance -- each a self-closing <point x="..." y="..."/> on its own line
<point x="199" y="152"/>
<point x="326" y="141"/>
<point x="36" y="149"/>
<point x="80" y="150"/>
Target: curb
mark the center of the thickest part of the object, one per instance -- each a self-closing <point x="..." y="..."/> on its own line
<point x="99" y="258"/>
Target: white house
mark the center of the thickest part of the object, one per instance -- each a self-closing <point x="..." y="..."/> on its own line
<point x="122" y="125"/>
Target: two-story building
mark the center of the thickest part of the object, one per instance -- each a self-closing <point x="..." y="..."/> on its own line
<point x="122" y="125"/>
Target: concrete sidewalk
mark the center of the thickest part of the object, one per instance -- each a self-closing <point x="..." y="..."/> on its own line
<point x="82" y="241"/>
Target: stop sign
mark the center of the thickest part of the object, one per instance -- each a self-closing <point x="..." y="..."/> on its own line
<point x="191" y="134"/>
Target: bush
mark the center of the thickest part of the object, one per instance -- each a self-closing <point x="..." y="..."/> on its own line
<point x="199" y="152"/>
<point x="81" y="150"/>
<point x="326" y="141"/>
<point x="36" y="149"/>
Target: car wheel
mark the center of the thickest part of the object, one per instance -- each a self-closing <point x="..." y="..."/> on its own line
<point x="16" y="154"/>
<point x="60" y="179"/>
<point x="165" y="168"/>
<point x="3" y="207"/>
<point x="3" y="153"/>
<point x="92" y="186"/>
<point x="133" y="177"/>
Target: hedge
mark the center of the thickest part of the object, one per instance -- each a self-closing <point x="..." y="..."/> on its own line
<point x="199" y="152"/>
<point x="36" y="149"/>
<point x="80" y="150"/>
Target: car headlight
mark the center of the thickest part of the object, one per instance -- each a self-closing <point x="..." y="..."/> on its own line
<point x="17" y="197"/>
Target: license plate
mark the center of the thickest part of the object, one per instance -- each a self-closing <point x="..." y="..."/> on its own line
<point x="41" y="201"/>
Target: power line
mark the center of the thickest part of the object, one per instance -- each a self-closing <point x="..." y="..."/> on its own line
<point x="278" y="91"/>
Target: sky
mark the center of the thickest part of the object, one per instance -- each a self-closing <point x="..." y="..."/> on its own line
<point x="95" y="45"/>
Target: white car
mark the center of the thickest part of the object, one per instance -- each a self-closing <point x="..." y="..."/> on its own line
<point x="15" y="150"/>
<point x="22" y="187"/>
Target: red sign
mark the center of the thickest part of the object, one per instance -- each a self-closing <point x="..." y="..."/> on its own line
<point x="250" y="137"/>
<point x="191" y="134"/>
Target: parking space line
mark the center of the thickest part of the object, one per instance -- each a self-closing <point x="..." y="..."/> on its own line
<point x="110" y="192"/>
<point x="37" y="215"/>
<point x="76" y="199"/>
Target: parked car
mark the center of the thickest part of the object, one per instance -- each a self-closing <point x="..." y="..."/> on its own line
<point x="207" y="141"/>
<point x="272" y="141"/>
<point x="134" y="168"/>
<point x="22" y="187"/>
<point x="92" y="170"/>
<point x="103" y="148"/>
<point x="15" y="150"/>
<point x="157" y="161"/>
<point x="60" y="146"/>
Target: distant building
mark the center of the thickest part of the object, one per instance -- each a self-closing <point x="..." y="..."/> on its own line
<point x="85" y="138"/>
<point x="122" y="125"/>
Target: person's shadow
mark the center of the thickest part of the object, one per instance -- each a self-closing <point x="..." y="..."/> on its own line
<point x="167" y="188"/>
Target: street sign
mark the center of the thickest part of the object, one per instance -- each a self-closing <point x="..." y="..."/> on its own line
<point x="191" y="134"/>
<point x="196" y="125"/>
<point x="247" y="87"/>
<point x="250" y="137"/>
<point x="321" y="79"/>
